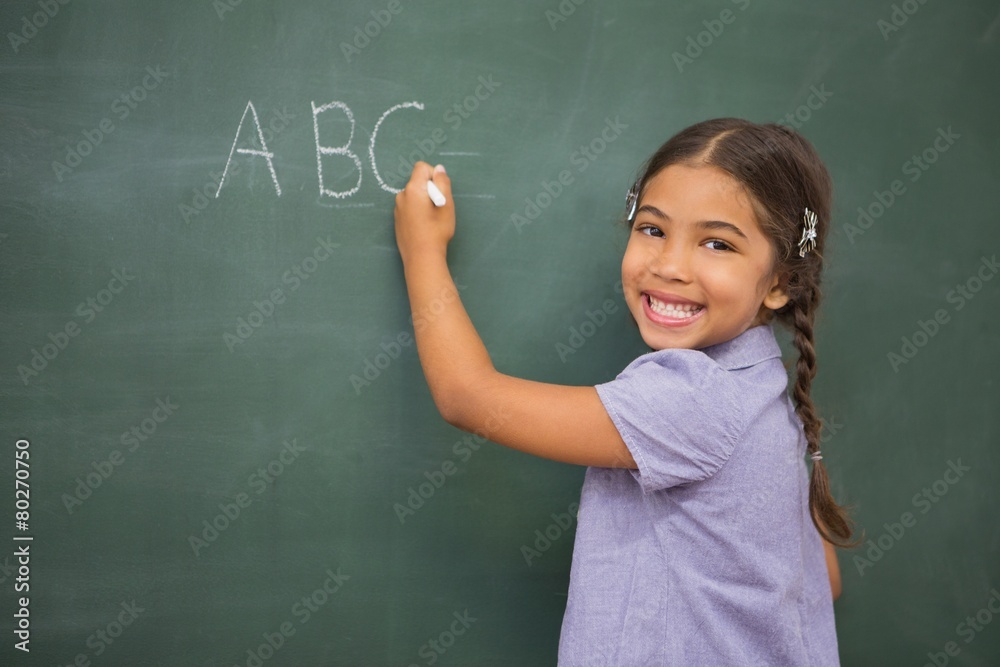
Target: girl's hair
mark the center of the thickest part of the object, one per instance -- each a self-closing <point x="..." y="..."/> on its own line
<point x="783" y="175"/>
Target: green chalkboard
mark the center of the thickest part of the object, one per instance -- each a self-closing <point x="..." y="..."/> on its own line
<point x="207" y="360"/>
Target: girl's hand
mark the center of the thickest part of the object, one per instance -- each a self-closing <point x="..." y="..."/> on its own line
<point x="422" y="227"/>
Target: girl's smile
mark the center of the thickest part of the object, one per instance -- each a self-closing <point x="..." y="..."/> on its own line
<point x="697" y="268"/>
<point x="671" y="310"/>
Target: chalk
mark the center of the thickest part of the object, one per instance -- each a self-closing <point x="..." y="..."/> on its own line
<point x="435" y="194"/>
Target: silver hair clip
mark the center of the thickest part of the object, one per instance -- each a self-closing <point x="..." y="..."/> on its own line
<point x="632" y="201"/>
<point x="808" y="241"/>
<point x="816" y="456"/>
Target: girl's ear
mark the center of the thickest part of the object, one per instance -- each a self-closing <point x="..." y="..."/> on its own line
<point x="777" y="293"/>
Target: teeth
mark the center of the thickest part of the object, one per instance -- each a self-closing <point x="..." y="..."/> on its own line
<point x="675" y="310"/>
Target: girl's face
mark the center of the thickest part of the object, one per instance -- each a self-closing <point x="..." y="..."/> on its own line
<point x="697" y="268"/>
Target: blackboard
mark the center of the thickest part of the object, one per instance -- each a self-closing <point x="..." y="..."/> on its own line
<point x="207" y="354"/>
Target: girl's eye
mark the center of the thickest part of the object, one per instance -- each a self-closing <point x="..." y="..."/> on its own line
<point x="720" y="245"/>
<point x="649" y="230"/>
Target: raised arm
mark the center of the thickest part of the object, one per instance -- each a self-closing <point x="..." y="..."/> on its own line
<point x="557" y="422"/>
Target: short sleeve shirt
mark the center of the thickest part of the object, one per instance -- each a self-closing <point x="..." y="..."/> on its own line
<point x="706" y="554"/>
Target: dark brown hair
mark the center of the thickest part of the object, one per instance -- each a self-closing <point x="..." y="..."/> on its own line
<point x="783" y="175"/>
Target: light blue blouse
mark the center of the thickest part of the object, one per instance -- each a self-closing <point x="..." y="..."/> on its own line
<point x="706" y="554"/>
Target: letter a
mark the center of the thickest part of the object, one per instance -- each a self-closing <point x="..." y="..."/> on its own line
<point x="263" y="152"/>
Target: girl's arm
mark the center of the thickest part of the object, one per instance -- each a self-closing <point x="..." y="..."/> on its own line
<point x="557" y="422"/>
<point x="832" y="568"/>
<point x="832" y="565"/>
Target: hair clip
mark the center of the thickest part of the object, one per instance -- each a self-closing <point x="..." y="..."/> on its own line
<point x="816" y="456"/>
<point x="808" y="241"/>
<point x="632" y="201"/>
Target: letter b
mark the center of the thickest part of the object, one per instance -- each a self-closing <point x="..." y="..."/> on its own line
<point x="382" y="16"/>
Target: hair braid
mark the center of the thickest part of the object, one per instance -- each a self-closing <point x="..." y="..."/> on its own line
<point x="832" y="521"/>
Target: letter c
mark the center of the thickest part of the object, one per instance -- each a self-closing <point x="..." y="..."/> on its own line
<point x="371" y="145"/>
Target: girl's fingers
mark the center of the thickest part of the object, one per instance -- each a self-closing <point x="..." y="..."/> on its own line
<point x="422" y="172"/>
<point x="442" y="181"/>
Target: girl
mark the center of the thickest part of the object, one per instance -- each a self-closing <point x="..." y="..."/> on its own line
<point x="699" y="538"/>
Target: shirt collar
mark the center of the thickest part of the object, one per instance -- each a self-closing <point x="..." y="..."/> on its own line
<point x="751" y="347"/>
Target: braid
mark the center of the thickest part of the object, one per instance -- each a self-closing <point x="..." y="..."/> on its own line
<point x="832" y="521"/>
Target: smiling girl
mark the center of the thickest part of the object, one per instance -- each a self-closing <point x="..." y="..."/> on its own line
<point x="702" y="539"/>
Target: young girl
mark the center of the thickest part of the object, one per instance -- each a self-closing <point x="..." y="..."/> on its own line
<point x="699" y="532"/>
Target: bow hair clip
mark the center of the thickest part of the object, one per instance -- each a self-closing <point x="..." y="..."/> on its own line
<point x="632" y="201"/>
<point x="808" y="241"/>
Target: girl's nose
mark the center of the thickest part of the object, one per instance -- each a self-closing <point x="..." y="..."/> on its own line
<point x="672" y="262"/>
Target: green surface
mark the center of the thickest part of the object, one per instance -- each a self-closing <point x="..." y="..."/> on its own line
<point x="142" y="202"/>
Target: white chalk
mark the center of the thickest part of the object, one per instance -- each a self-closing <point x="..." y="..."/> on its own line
<point x="435" y="194"/>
